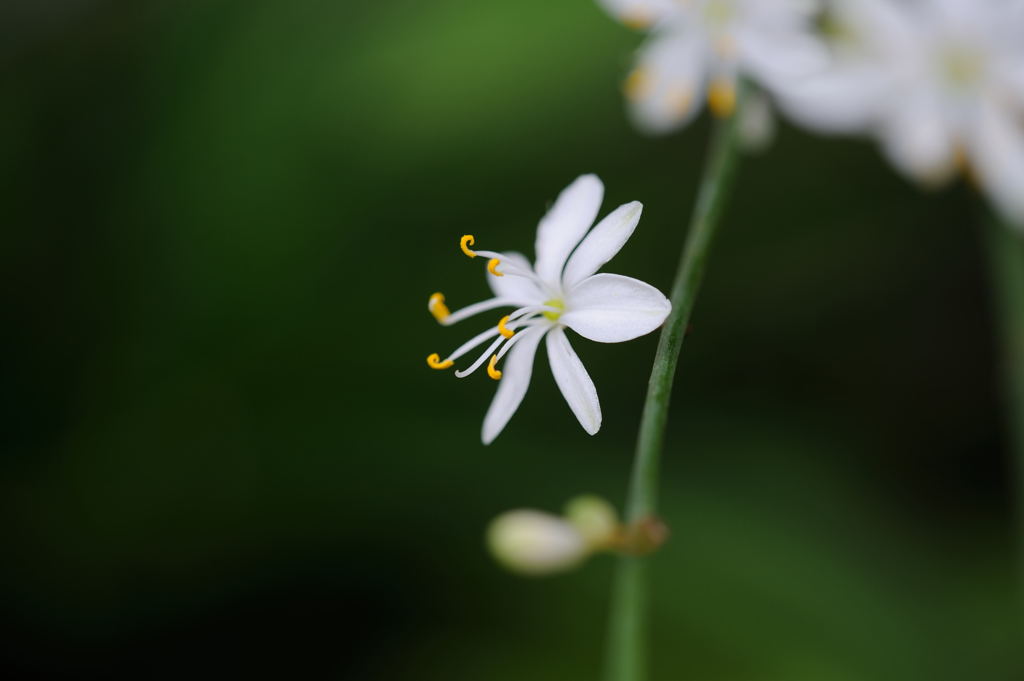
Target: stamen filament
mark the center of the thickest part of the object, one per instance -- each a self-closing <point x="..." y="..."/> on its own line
<point x="498" y="259"/>
<point x="472" y="343"/>
<point x="531" y="309"/>
<point x="474" y="309"/>
<point x="512" y="341"/>
<point x="508" y="268"/>
<point x="462" y="373"/>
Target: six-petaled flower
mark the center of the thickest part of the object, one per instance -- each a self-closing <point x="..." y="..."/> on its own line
<point x="562" y="290"/>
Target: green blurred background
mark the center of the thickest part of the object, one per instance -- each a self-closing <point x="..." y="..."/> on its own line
<point x="223" y="453"/>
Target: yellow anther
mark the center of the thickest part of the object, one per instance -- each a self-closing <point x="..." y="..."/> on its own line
<point x="506" y="332"/>
<point x="725" y="46"/>
<point x="962" y="164"/>
<point x="637" y="85"/>
<point x="491" y="371"/>
<point x="722" y="97"/>
<point x="637" y="20"/>
<point x="678" y="100"/>
<point x="492" y="266"/>
<point x="437" y="307"/>
<point x="465" y="242"/>
<point x="434" y="362"/>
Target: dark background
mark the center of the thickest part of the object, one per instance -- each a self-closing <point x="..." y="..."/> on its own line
<point x="223" y="453"/>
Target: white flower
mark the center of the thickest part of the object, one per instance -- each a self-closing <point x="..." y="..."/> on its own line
<point x="939" y="83"/>
<point x="700" y="46"/>
<point x="561" y="291"/>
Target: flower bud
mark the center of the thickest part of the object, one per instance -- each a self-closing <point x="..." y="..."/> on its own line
<point x="535" y="543"/>
<point x="594" y="518"/>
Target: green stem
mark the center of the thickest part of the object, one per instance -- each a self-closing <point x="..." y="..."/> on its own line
<point x="627" y="654"/>
<point x="1006" y="254"/>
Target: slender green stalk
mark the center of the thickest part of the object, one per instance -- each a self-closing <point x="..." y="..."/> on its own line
<point x="1006" y="254"/>
<point x="627" y="654"/>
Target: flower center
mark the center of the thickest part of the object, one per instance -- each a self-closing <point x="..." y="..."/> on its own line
<point x="556" y="303"/>
<point x="961" y="68"/>
<point x="718" y="13"/>
<point x="840" y="32"/>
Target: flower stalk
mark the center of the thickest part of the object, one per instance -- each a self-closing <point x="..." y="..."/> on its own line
<point x="1006" y="256"/>
<point x="627" y="653"/>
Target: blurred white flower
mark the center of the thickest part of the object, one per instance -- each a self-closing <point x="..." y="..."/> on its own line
<point x="561" y="290"/>
<point x="699" y="48"/>
<point x="940" y="83"/>
<point x="535" y="543"/>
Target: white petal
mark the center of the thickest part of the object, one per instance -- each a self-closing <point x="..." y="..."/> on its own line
<point x="780" y="53"/>
<point x="611" y="308"/>
<point x="602" y="243"/>
<point x="641" y="13"/>
<point x="519" y="290"/>
<point x="513" y="384"/>
<point x="997" y="152"/>
<point x="573" y="380"/>
<point x="918" y="140"/>
<point x="666" y="90"/>
<point x="846" y="99"/>
<point x="565" y="224"/>
<point x="877" y="46"/>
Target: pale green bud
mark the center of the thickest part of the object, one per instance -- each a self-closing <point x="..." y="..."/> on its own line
<point x="535" y="543"/>
<point x="595" y="519"/>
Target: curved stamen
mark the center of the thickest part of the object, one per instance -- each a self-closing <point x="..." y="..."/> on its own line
<point x="462" y="373"/>
<point x="492" y="365"/>
<point x="532" y="309"/>
<point x="512" y="341"/>
<point x="498" y="259"/>
<point x="472" y="343"/>
<point x="510" y="269"/>
<point x="438" y="308"/>
<point x="507" y="333"/>
<point x="491" y="371"/>
<point x="495" y="259"/>
<point x="434" y="362"/>
<point x="493" y="348"/>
